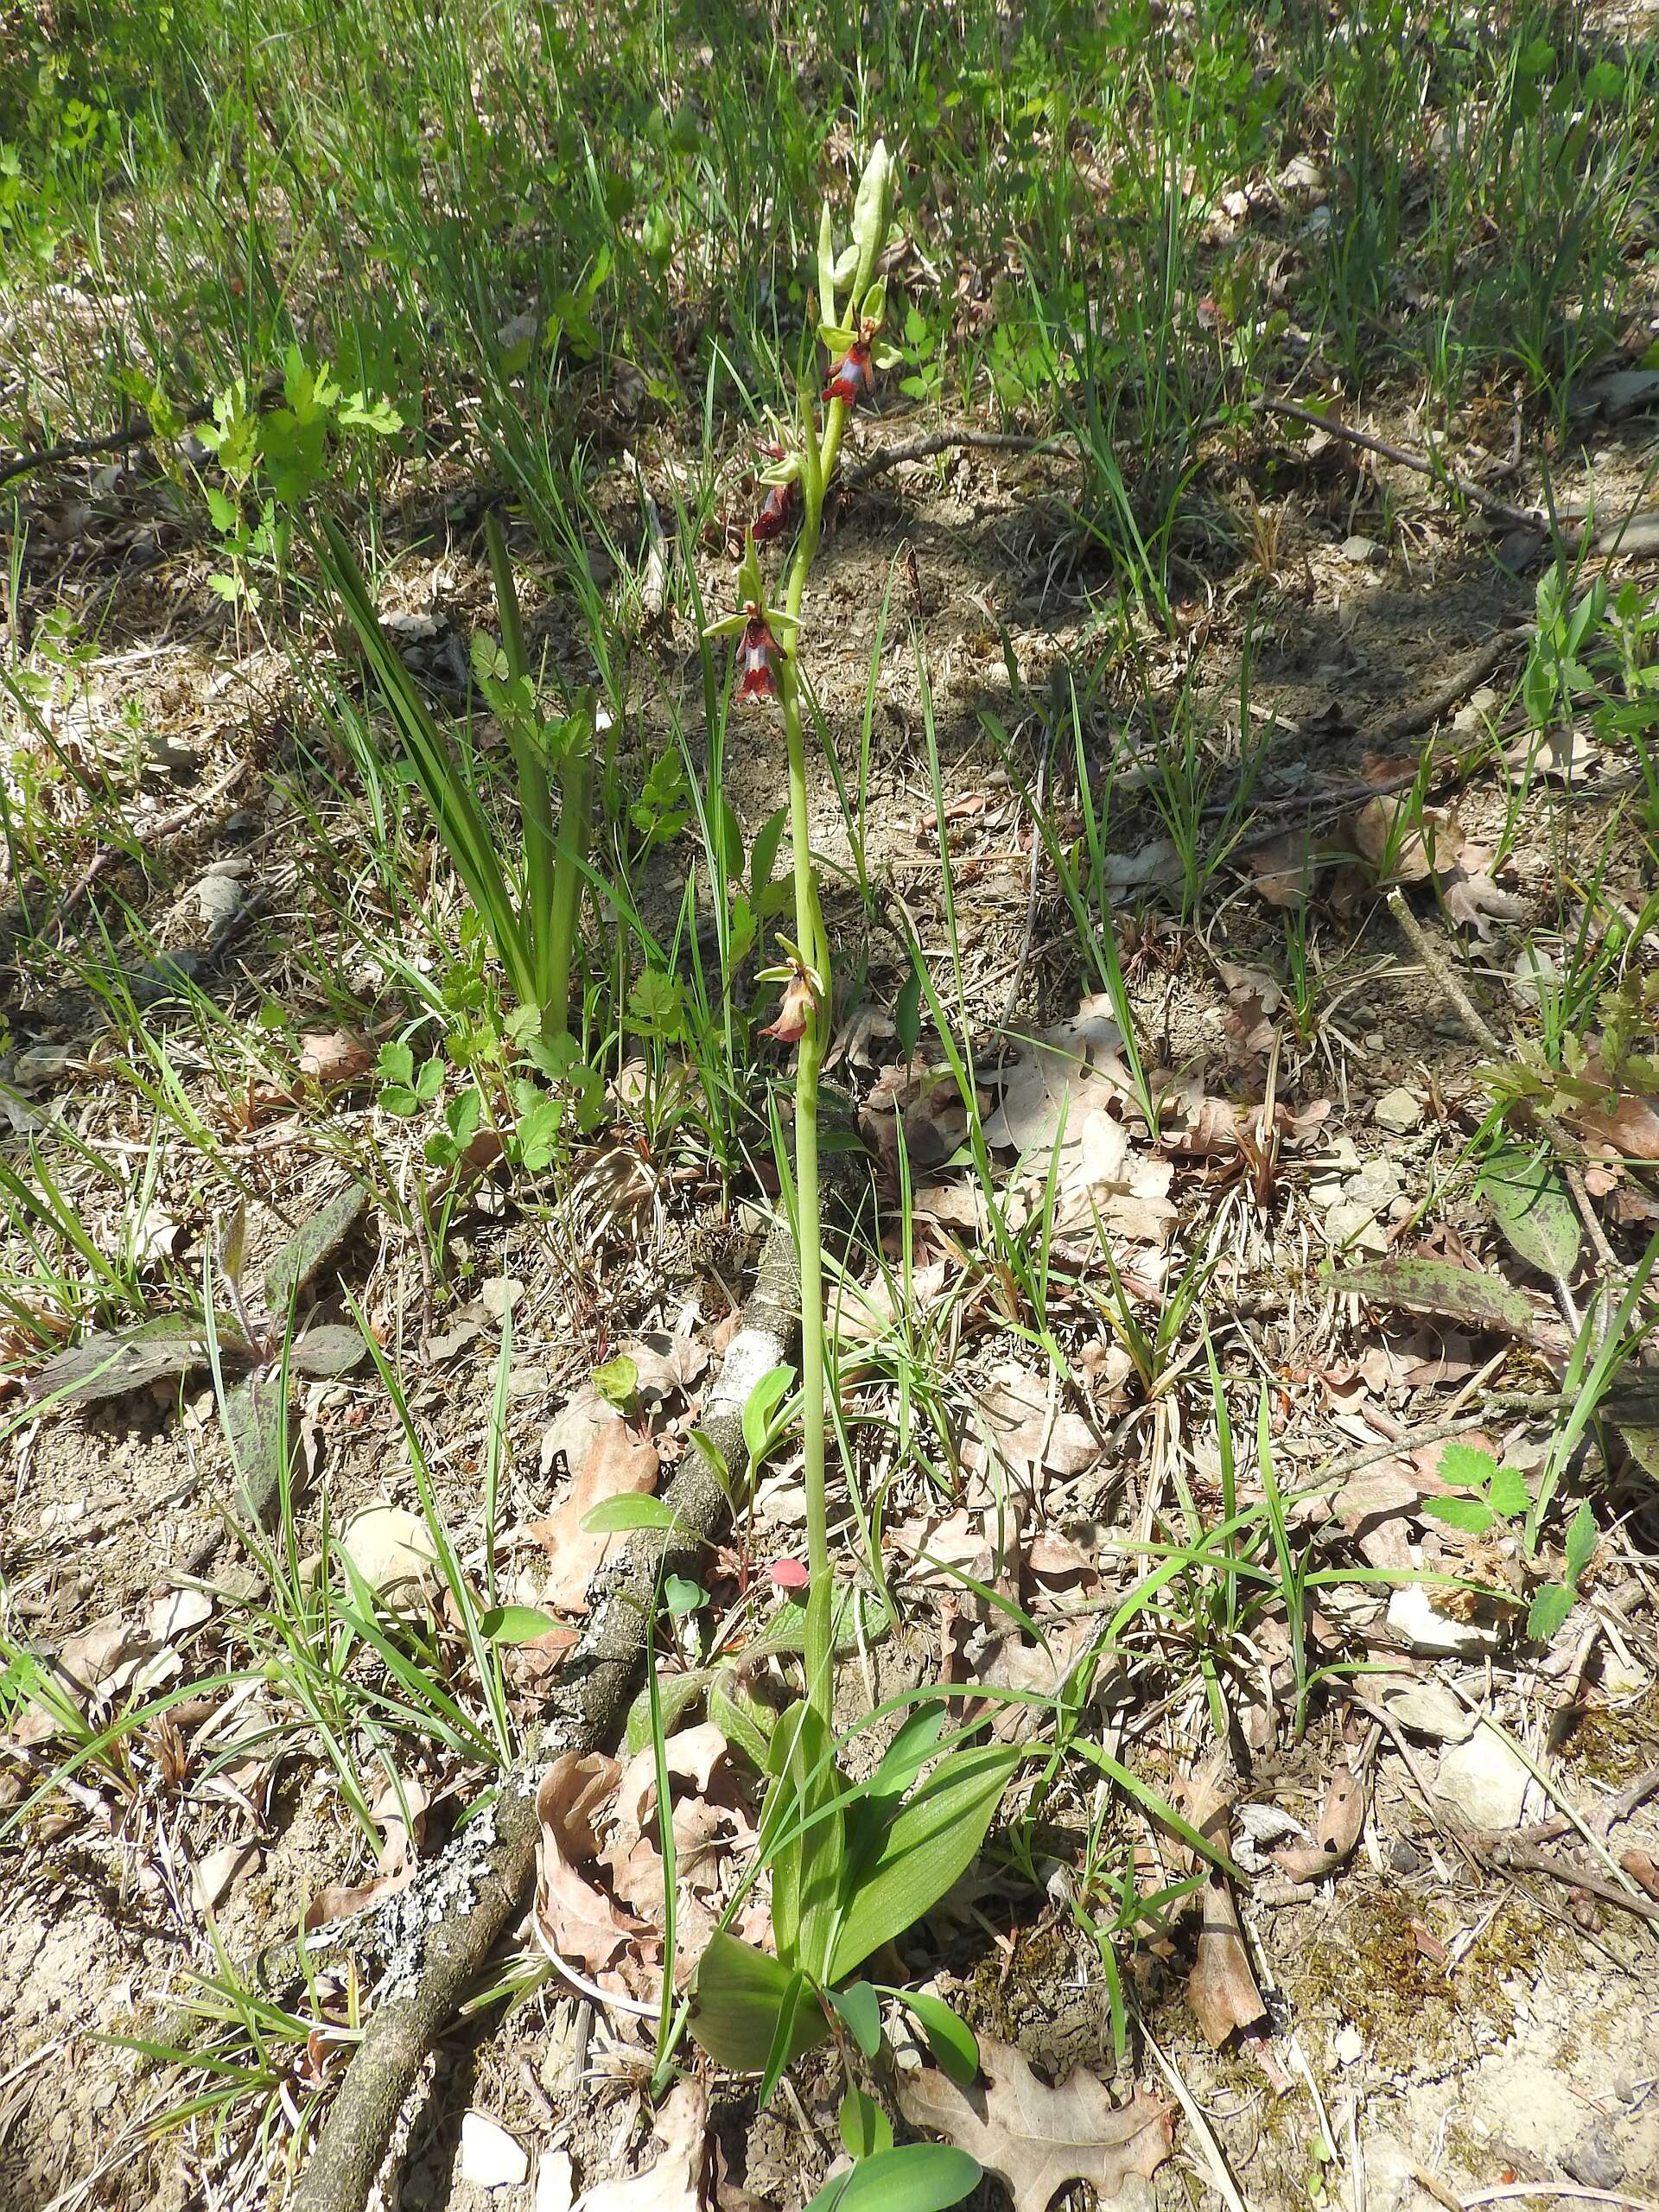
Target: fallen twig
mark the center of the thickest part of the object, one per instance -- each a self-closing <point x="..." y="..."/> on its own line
<point x="1527" y="1859"/>
<point x="434" y="1937"/>
<point x="923" y="449"/>
<point x="1475" y="1022"/>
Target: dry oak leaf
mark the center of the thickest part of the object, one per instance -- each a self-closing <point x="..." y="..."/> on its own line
<point x="605" y="1458"/>
<point x="1035" y="2139"/>
<point x="334" y="1056"/>
<point x="1471" y="896"/>
<point x="674" y="2182"/>
<point x="572" y="1918"/>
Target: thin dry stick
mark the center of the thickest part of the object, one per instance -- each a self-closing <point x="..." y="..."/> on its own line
<point x="1472" y="1019"/>
<point x="1527" y="1859"/>
<point x="924" y="448"/>
<point x="1637" y="533"/>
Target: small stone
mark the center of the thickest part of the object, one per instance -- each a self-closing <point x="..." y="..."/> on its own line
<point x="1594" y="2160"/>
<point x="1405" y="1858"/>
<point x="1347" y="1224"/>
<point x="499" y="1295"/>
<point x="1428" y="1709"/>
<point x="1377" y="1184"/>
<point x="1485" y="1781"/>
<point x="490" y="2158"/>
<point x="1363" y="551"/>
<point x="1414" y="1620"/>
<point x="1398" y="1109"/>
<point x="391" y="1549"/>
<point x="1348" y="2045"/>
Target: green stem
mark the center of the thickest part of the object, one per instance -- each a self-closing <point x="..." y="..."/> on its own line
<point x="814" y="947"/>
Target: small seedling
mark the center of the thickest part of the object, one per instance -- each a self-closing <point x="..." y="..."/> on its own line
<point x="1494" y="1496"/>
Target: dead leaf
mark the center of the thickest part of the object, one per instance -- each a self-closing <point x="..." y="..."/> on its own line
<point x="215" y="1874"/>
<point x="1286" y="869"/>
<point x="606" y="1459"/>
<point x="928" y="1105"/>
<point x="674" y="2182"/>
<point x="860" y="1315"/>
<point x="1627" y="1127"/>
<point x="332" y="1057"/>
<point x="1419" y="847"/>
<point x="1035" y="2139"/>
<point x="1564" y="755"/>
<point x="580" y="1923"/>
<point x="1221" y="1988"/>
<point x="1473" y="899"/>
<point x="1341" y="1819"/>
<point x="345" y="1900"/>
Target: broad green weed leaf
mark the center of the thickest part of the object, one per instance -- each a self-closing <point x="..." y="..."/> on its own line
<point x="1528" y="1200"/>
<point x="1580" y="1541"/>
<point x="1472" y="1515"/>
<point x="860" y="2006"/>
<point x="915" y="2177"/>
<point x="615" y="1516"/>
<point x="515" y="1624"/>
<point x="737" y="1996"/>
<point x="932" y="1842"/>
<point x="865" y="2128"/>
<point x="952" y="2042"/>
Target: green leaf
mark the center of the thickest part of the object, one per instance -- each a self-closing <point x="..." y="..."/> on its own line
<point x="737" y="1996"/>
<point x="683" y="1596"/>
<point x="1529" y="1199"/>
<point x="760" y="1405"/>
<point x="1549" y="1608"/>
<point x="1508" y="1495"/>
<point x="1580" y="1541"/>
<point x="1467" y="1467"/>
<point x="294" y="1265"/>
<point x="712" y="1458"/>
<point x="676" y="1695"/>
<point x="763" y="856"/>
<point x="929" y="1844"/>
<point x="740" y="1717"/>
<point x="865" y="2128"/>
<point x="796" y="2001"/>
<point x="915" y="2177"/>
<point x="618" y="1381"/>
<point x="1470" y="1295"/>
<point x="1472" y="1515"/>
<point x="397" y="1063"/>
<point x="860" y="2006"/>
<point x="615" y="1516"/>
<point x="808" y="1862"/>
<point x="515" y="1624"/>
<point x="952" y="2042"/>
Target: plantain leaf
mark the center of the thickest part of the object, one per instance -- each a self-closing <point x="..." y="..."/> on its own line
<point x="292" y="1268"/>
<point x="1528" y="1198"/>
<point x="931" y="1843"/>
<point x="738" y="1996"/>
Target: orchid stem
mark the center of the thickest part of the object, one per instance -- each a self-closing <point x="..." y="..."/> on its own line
<point x="814" y="947"/>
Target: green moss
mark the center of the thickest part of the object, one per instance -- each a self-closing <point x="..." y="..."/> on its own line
<point x="1613" y="1748"/>
<point x="1368" y="1967"/>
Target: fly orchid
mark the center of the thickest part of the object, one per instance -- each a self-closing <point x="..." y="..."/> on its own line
<point x="761" y="653"/>
<point x="768" y="630"/>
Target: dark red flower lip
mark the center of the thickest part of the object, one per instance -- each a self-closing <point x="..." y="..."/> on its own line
<point x="853" y="378"/>
<point x="776" y="510"/>
<point x="757" y="657"/>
